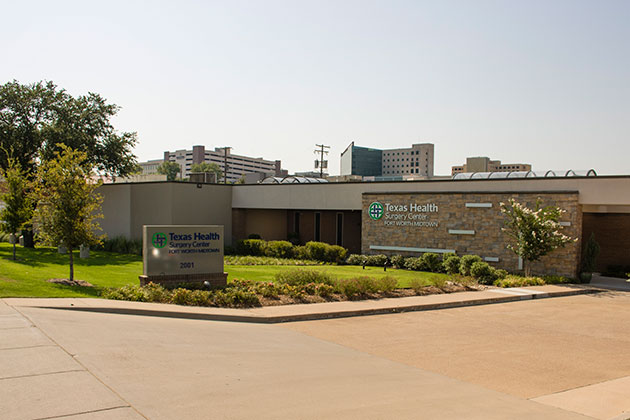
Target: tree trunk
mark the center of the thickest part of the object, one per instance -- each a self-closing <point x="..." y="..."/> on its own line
<point x="71" y="264"/>
<point x="13" y="252"/>
<point x="528" y="269"/>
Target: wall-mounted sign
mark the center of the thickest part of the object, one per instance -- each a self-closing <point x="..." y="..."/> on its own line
<point x="182" y="250"/>
<point x="408" y="214"/>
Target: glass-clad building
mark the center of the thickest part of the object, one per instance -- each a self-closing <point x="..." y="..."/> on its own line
<point x="365" y="161"/>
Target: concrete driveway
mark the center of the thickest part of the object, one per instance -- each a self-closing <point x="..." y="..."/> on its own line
<point x="561" y="358"/>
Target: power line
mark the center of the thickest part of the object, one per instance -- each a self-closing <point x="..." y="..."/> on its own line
<point x="225" y="149"/>
<point x="321" y="163"/>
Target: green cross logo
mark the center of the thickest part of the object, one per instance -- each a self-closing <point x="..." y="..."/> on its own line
<point x="376" y="210"/>
<point x="159" y="240"/>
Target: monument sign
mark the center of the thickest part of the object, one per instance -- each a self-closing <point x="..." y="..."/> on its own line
<point x="178" y="254"/>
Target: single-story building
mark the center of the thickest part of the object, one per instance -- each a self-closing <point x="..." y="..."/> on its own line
<point x="407" y="217"/>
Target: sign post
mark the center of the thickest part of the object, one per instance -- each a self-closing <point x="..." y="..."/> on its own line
<point x="183" y="254"/>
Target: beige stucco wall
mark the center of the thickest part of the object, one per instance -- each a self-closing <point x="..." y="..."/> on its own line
<point x="116" y="210"/>
<point x="612" y="192"/>
<point x="127" y="207"/>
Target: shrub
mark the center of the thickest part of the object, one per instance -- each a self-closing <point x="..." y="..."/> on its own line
<point x="416" y="264"/>
<point x="355" y="259"/>
<point x="589" y="257"/>
<point x="438" y="281"/>
<point x="335" y="254"/>
<point x="156" y="293"/>
<point x="451" y="264"/>
<point x="347" y="287"/>
<point x="386" y="284"/>
<point x="121" y="245"/>
<point x="417" y="284"/>
<point x="466" y="263"/>
<point x="432" y="262"/>
<point x="500" y="274"/>
<point x="518" y="281"/>
<point x="302" y="276"/>
<point x="301" y="253"/>
<point x="240" y="297"/>
<point x="254" y="236"/>
<point x="324" y="290"/>
<point x="556" y="279"/>
<point x="378" y="260"/>
<point x="251" y="260"/>
<point x="129" y="292"/>
<point x="268" y="289"/>
<point x="366" y="285"/>
<point x="279" y="249"/>
<point x="483" y="272"/>
<point x="181" y="296"/>
<point x="294" y="238"/>
<point x="317" y="250"/>
<point x="398" y="261"/>
<point x="251" y="247"/>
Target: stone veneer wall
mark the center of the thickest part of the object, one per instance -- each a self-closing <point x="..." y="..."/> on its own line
<point x="488" y="239"/>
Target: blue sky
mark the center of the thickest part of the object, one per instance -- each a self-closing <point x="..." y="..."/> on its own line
<point x="541" y="82"/>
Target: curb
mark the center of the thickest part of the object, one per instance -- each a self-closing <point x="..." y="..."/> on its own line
<point x="261" y="319"/>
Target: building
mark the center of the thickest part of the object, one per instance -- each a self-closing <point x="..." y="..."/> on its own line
<point x="407" y="218"/>
<point x="237" y="165"/>
<point x="150" y="167"/>
<point x="416" y="160"/>
<point x="363" y="161"/>
<point x="484" y="164"/>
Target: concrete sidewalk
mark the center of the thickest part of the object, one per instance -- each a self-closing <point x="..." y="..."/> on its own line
<point x="314" y="311"/>
<point x="81" y="365"/>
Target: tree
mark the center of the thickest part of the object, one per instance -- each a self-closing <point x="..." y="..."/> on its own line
<point x="170" y="169"/>
<point x="68" y="205"/>
<point x="18" y="208"/>
<point x="25" y="111"/>
<point x="36" y="118"/>
<point x="207" y="167"/>
<point x="533" y="233"/>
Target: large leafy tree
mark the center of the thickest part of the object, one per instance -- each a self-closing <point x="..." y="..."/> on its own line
<point x="25" y="112"/>
<point x="170" y="169"/>
<point x="535" y="232"/>
<point x="35" y="119"/>
<point x="207" y="167"/>
<point x="18" y="203"/>
<point x="68" y="205"/>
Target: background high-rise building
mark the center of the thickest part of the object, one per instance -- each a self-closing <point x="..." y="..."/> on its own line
<point x="237" y="165"/>
<point x="416" y="160"/>
<point x="364" y="161"/>
<point x="484" y="164"/>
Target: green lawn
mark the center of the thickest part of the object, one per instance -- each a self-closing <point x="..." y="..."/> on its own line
<point x="27" y="276"/>
<point x="267" y="272"/>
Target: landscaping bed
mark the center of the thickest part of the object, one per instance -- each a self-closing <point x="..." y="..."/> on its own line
<point x="291" y="287"/>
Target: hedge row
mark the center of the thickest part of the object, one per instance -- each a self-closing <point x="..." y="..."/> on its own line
<point x="468" y="265"/>
<point x="318" y="251"/>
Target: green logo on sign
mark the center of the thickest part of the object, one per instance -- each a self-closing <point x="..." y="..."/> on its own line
<point x="159" y="240"/>
<point x="375" y="210"/>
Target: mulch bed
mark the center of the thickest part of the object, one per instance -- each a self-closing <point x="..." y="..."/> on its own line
<point x="428" y="290"/>
<point x="67" y="282"/>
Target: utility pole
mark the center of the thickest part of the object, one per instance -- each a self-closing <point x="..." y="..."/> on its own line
<point x="225" y="149"/>
<point x="321" y="163"/>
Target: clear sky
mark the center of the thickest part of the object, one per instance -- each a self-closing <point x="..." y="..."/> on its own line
<point x="539" y="81"/>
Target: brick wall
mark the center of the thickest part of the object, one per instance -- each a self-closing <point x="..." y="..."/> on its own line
<point x="486" y="240"/>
